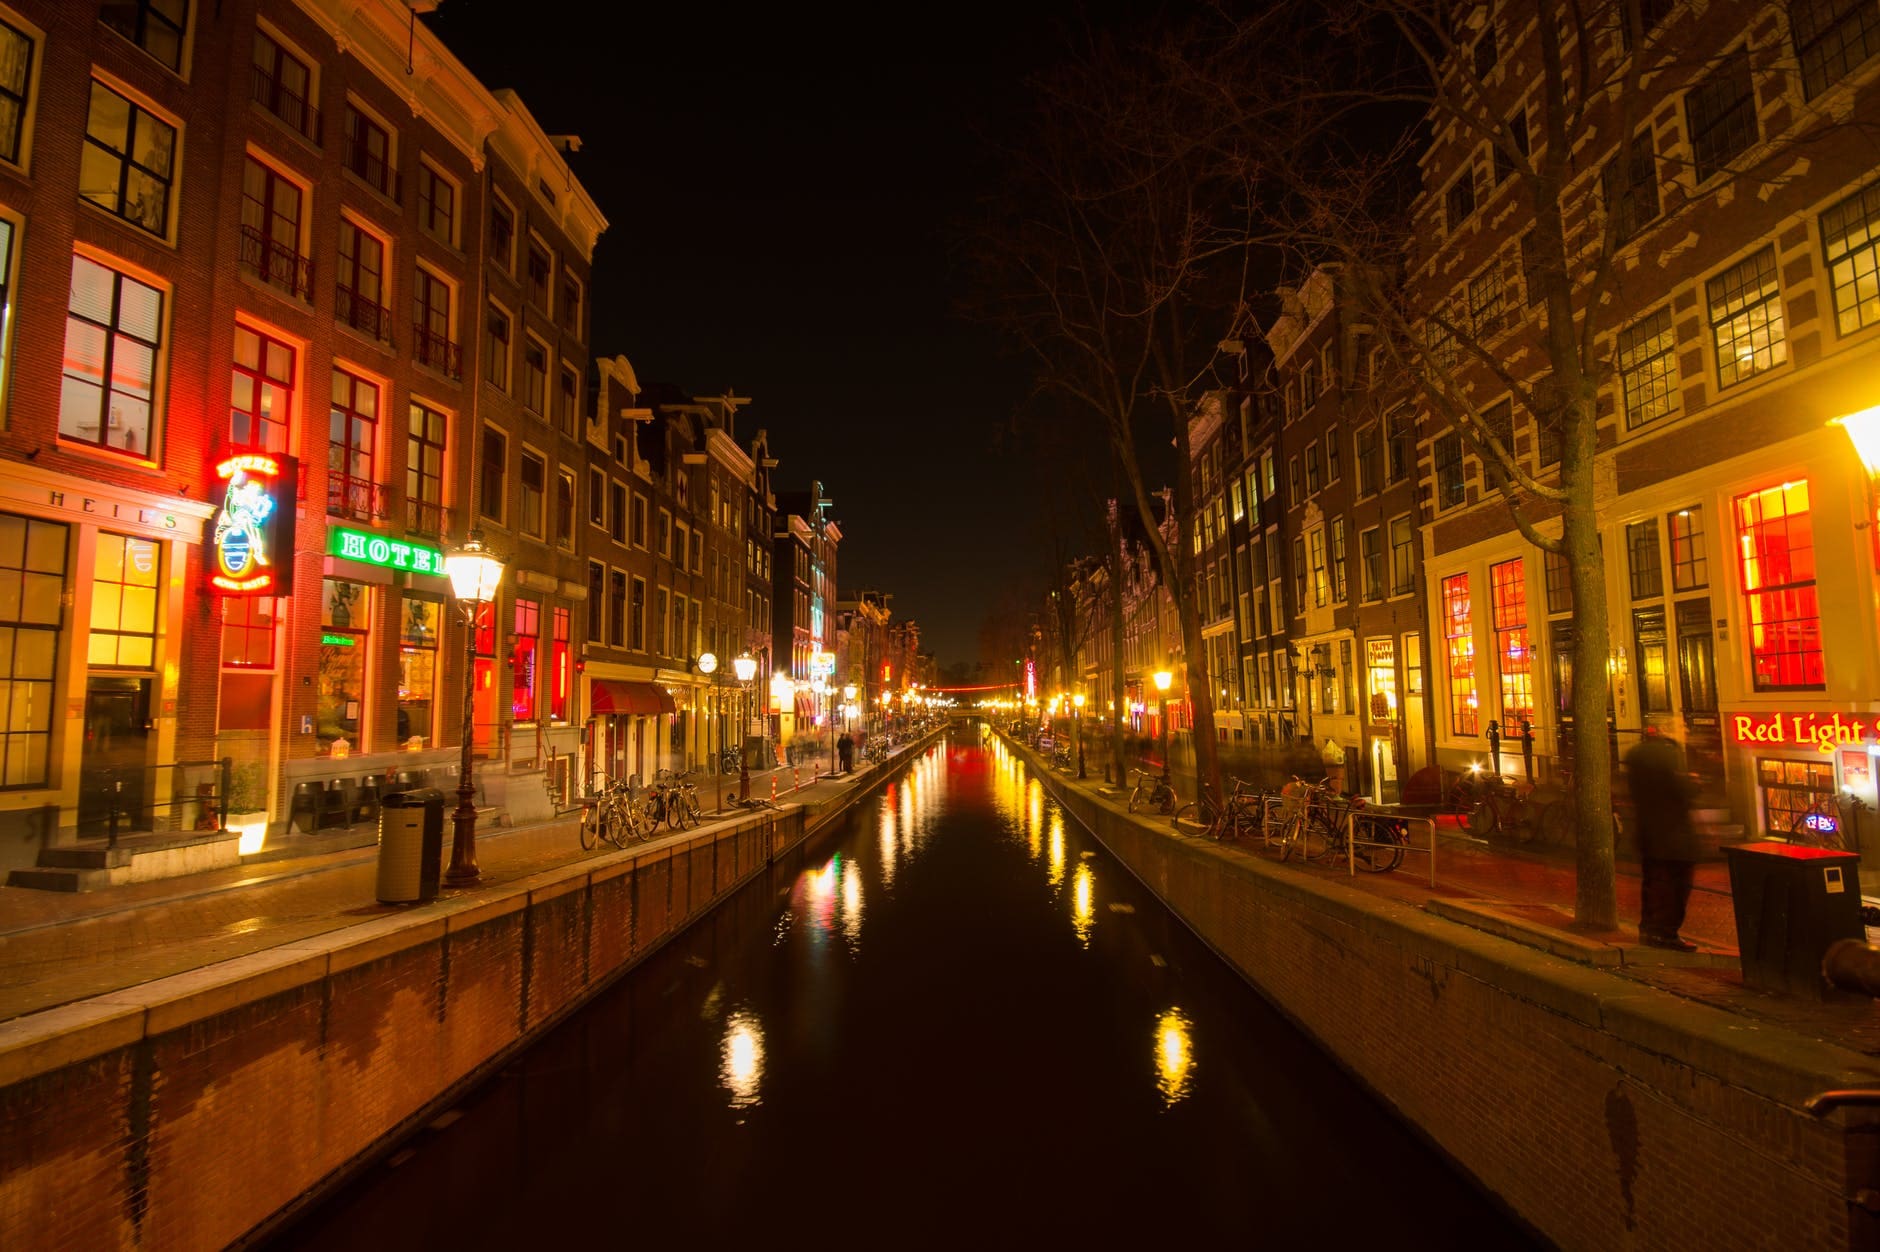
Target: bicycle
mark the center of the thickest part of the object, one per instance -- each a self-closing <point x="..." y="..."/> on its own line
<point x="1236" y="813"/>
<point x="1500" y="806"/>
<point x="607" y="815"/>
<point x="1152" y="790"/>
<point x="1374" y="842"/>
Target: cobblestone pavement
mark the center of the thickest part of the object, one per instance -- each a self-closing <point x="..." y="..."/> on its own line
<point x="59" y="947"/>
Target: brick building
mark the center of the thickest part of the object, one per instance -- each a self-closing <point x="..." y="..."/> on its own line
<point x="804" y="540"/>
<point x="1736" y="523"/>
<point x="286" y="204"/>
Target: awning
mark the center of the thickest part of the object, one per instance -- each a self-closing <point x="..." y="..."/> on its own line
<point x="614" y="696"/>
<point x="806" y="705"/>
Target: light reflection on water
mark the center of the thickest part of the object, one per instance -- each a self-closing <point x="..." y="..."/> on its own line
<point x="1056" y="871"/>
<point x="1174" y="1056"/>
<point x="1083" y="902"/>
<point x="741" y="1059"/>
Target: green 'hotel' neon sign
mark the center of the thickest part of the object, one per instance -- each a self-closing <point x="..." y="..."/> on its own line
<point x="363" y="545"/>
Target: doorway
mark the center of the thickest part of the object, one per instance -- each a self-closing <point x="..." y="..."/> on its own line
<point x="117" y="748"/>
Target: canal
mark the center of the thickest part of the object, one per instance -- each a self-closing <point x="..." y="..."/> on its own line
<point x="957" y="1020"/>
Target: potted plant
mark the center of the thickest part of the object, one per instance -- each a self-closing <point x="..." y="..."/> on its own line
<point x="247" y="803"/>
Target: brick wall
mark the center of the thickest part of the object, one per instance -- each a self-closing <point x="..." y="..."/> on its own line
<point x="1605" y="1113"/>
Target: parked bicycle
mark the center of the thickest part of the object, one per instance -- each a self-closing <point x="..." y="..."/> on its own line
<point x="1152" y="791"/>
<point x="1238" y="813"/>
<point x="611" y="815"/>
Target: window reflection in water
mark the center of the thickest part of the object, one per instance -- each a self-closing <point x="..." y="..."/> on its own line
<point x="741" y="1059"/>
<point x="1057" y="850"/>
<point x="1083" y="902"/>
<point x="1174" y="1056"/>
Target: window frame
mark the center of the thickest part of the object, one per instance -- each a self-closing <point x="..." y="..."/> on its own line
<point x="484" y="481"/>
<point x="141" y="107"/>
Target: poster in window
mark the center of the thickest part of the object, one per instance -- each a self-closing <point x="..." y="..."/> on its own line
<point x="1856" y="768"/>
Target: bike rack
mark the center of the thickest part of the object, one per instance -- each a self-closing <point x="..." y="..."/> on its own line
<point x="1352" y="841"/>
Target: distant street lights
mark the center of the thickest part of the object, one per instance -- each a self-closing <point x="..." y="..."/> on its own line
<point x="746" y="666"/>
<point x="1162" y="680"/>
<point x="475" y="574"/>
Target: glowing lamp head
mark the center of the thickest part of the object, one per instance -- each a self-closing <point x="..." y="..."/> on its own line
<point x="746" y="667"/>
<point x="1078" y="701"/>
<point x="474" y="572"/>
<point x="848" y="692"/>
<point x="1162" y="680"/>
<point x="1863" y="429"/>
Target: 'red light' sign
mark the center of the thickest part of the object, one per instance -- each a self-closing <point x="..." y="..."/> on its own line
<point x="1823" y="732"/>
<point x="251" y="542"/>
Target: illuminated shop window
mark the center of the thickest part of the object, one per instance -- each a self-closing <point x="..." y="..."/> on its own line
<point x="1459" y="635"/>
<point x="32" y="591"/>
<point x="1790" y="789"/>
<point x="340" y="686"/>
<point x="420" y="621"/>
<point x="124" y="603"/>
<point x="1776" y="547"/>
<point x="1514" y="652"/>
<point x="248" y="631"/>
<point x="523" y="692"/>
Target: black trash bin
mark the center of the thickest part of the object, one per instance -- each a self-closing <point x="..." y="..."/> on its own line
<point x="1791" y="903"/>
<point x="411" y="846"/>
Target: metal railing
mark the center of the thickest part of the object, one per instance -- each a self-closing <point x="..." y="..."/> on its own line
<point x="370" y="167"/>
<point x="276" y="264"/>
<point x="425" y="517"/>
<point x="357" y="498"/>
<point x="432" y="349"/>
<point x="362" y="314"/>
<point x="123" y="806"/>
<point x="1355" y="815"/>
<point x="285" y="103"/>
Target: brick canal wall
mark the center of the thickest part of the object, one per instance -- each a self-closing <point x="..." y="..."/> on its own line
<point x="1606" y="1113"/>
<point x="187" y="1112"/>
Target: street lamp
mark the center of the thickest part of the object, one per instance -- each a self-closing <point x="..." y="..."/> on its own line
<point x="475" y="575"/>
<point x="746" y="667"/>
<point x="848" y="708"/>
<point x="1077" y="702"/>
<point x="708" y="666"/>
<point x="1162" y="680"/>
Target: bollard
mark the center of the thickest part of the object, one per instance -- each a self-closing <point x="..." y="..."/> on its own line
<point x="773" y="788"/>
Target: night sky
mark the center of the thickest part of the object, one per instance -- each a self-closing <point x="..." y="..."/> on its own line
<point x="784" y="189"/>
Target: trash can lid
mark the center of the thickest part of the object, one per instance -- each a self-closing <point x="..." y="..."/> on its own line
<point x="1786" y="851"/>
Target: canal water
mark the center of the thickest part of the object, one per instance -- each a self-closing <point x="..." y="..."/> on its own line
<point x="958" y="1022"/>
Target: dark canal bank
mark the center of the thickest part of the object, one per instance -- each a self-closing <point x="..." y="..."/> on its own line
<point x="958" y="1021"/>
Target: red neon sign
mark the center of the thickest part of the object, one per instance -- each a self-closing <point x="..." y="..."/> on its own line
<point x="251" y="544"/>
<point x="1821" y="731"/>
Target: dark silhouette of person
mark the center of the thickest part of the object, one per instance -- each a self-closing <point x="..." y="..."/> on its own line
<point x="845" y="750"/>
<point x="1667" y="838"/>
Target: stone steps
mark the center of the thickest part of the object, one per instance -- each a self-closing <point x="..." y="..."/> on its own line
<point x="137" y="858"/>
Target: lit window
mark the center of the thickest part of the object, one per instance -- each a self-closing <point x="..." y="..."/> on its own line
<point x="345" y="618"/>
<point x="1514" y="654"/>
<point x="360" y="285"/>
<point x="16" y="74"/>
<point x="1648" y="369"/>
<point x="424" y="471"/>
<point x="352" y="487"/>
<point x="128" y="158"/>
<point x="1746" y="318"/>
<point x="419" y="625"/>
<point x="367" y="152"/>
<point x="1777" y="549"/>
<point x="1689" y="568"/>
<point x="1850" y="235"/>
<point x="523" y="692"/>
<point x="32" y="593"/>
<point x="248" y="631"/>
<point x="261" y="391"/>
<point x="1459" y="635"/>
<point x="113" y="334"/>
<point x="1642" y="560"/>
<point x="560" y="677"/>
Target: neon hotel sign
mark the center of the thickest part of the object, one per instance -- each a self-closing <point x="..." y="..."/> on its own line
<point x="1822" y="731"/>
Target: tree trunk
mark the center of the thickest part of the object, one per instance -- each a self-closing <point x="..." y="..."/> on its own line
<point x="1595" y="898"/>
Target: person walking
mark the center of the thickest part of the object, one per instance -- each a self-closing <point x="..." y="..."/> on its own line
<point x="845" y="749"/>
<point x="1667" y="838"/>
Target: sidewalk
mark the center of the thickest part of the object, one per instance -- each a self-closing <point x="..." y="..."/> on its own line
<point x="58" y="947"/>
<point x="1527" y="897"/>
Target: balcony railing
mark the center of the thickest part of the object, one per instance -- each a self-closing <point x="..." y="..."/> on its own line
<point x="362" y="314"/>
<point x="425" y="517"/>
<point x="432" y="349"/>
<point x="276" y="264"/>
<point x="362" y="161"/>
<point x="282" y="101"/>
<point x="357" y="498"/>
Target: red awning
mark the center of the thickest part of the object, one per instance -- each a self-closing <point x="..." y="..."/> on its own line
<point x="613" y="696"/>
<point x="806" y="703"/>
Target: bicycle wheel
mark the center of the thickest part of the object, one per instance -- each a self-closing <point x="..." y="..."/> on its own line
<point x="684" y="811"/>
<point x="1166" y="801"/>
<point x="1484" y="820"/>
<point x="1292" y="836"/>
<point x="645" y="820"/>
<point x="1135" y="797"/>
<point x="1325" y="837"/>
<point x="1188" y="813"/>
<point x="590" y="826"/>
<point x="1382" y="846"/>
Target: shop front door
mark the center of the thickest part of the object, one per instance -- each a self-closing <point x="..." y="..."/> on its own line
<point x="1697" y="691"/>
<point x="117" y="748"/>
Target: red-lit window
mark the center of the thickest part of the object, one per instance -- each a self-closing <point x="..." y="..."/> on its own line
<point x="1459" y="632"/>
<point x="522" y="701"/>
<point x="560" y="677"/>
<point x="1514" y="654"/>
<point x="248" y="631"/>
<point x="1776" y="545"/>
<point x="261" y="394"/>
<point x="483" y="702"/>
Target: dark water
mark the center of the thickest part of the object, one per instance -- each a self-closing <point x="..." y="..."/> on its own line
<point x="959" y="1023"/>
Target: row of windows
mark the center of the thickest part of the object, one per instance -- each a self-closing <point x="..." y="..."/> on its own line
<point x="539" y="270"/>
<point x="618" y="615"/>
<point x="1831" y="39"/>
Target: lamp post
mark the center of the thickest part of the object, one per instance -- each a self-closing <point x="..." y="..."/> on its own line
<point x="746" y="666"/>
<point x="1077" y="702"/>
<point x="475" y="575"/>
<point x="848" y="709"/>
<point x="708" y="665"/>
<point x="1162" y="680"/>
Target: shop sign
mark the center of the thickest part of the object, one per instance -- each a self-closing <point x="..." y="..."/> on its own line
<point x="385" y="552"/>
<point x="822" y="664"/>
<point x="251" y="545"/>
<point x="1823" y="732"/>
